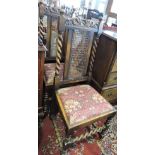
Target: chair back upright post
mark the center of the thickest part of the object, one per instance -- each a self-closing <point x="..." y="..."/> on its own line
<point x="58" y="60"/>
<point x="92" y="57"/>
<point x="59" y="48"/>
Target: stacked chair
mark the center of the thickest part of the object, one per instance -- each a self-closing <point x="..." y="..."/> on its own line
<point x="53" y="24"/>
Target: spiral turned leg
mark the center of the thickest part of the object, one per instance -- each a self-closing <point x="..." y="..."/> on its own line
<point x="58" y="55"/>
<point x="92" y="57"/>
<point x="70" y="141"/>
<point x="40" y="32"/>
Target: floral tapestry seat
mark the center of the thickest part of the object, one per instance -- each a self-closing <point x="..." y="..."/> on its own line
<point x="82" y="103"/>
<point x="49" y="73"/>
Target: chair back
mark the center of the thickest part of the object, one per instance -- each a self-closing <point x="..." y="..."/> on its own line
<point x="79" y="53"/>
<point x="79" y="43"/>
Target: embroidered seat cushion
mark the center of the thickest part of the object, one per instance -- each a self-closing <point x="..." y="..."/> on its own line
<point x="49" y="72"/>
<point x="82" y="103"/>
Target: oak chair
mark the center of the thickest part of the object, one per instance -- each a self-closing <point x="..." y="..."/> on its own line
<point x="79" y="103"/>
<point x="55" y="21"/>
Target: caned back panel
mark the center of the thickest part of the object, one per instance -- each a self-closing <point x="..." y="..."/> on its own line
<point x="52" y="34"/>
<point x="79" y="43"/>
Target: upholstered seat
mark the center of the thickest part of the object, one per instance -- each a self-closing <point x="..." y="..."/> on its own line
<point x="82" y="103"/>
<point x="49" y="73"/>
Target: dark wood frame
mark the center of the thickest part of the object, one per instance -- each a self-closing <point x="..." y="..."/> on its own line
<point x="101" y="82"/>
<point x="106" y="56"/>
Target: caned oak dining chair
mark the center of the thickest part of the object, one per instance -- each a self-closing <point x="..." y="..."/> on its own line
<point x="79" y="103"/>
